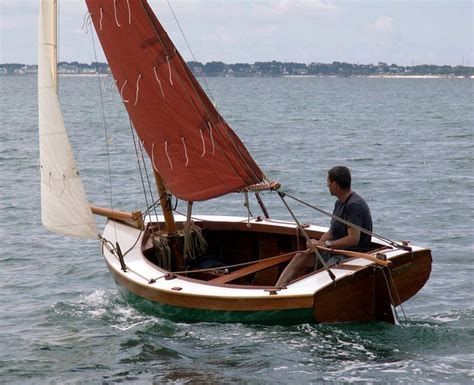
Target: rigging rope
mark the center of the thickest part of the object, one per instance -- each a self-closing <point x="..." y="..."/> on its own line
<point x="208" y="90"/>
<point x="361" y="229"/>
<point x="303" y="231"/>
<point x="141" y="145"/>
<point x="139" y="164"/>
<point x="104" y="123"/>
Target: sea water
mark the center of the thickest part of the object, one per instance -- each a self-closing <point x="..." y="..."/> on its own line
<point x="409" y="144"/>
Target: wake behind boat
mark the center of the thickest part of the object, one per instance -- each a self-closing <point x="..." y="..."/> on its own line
<point x="205" y="268"/>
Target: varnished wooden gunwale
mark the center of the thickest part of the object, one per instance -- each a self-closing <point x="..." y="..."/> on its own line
<point x="189" y="300"/>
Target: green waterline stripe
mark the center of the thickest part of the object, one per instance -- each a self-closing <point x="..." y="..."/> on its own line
<point x="283" y="317"/>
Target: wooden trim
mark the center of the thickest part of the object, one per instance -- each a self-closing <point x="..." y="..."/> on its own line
<point x="355" y="254"/>
<point x="344" y="266"/>
<point x="205" y="302"/>
<point x="257" y="266"/>
<point x="135" y="217"/>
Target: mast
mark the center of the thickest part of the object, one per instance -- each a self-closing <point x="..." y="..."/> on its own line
<point x="170" y="225"/>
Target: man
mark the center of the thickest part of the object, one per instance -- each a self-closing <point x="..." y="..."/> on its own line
<point x="349" y="206"/>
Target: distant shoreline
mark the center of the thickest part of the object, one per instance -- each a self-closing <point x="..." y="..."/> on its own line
<point x="382" y="76"/>
<point x="274" y="69"/>
<point x="277" y="76"/>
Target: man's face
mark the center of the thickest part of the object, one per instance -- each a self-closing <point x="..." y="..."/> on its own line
<point x="331" y="186"/>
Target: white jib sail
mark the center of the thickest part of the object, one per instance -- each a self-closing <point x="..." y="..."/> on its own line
<point x="64" y="205"/>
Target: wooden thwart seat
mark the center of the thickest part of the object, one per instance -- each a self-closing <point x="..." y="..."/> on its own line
<point x="257" y="266"/>
<point x="269" y="262"/>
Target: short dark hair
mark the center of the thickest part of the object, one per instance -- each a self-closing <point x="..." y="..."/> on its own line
<point x="341" y="175"/>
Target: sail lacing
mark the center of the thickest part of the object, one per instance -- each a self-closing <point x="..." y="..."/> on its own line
<point x="167" y="154"/>
<point x="121" y="92"/>
<point x="129" y="13"/>
<point x="101" y="17"/>
<point x="203" y="143"/>
<point x="211" y="125"/>
<point x="152" y="156"/>
<point x="115" y="13"/>
<point x="169" y="67"/>
<point x="138" y="88"/>
<point x="159" y="82"/>
<point x="212" y="137"/>
<point x="50" y="177"/>
<point x="185" y="151"/>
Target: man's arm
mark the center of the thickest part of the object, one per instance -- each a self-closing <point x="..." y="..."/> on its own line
<point x="350" y="240"/>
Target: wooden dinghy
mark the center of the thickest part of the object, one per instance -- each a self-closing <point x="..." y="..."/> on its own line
<point x="363" y="289"/>
<point x="210" y="268"/>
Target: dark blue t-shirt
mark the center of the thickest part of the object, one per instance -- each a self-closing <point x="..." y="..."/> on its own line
<point x="356" y="211"/>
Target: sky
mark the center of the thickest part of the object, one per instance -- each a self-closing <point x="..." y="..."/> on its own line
<point x="404" y="32"/>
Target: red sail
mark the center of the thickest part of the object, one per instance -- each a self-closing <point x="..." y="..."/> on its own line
<point x="191" y="146"/>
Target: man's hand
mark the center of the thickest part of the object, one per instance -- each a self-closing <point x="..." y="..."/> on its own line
<point x="313" y="243"/>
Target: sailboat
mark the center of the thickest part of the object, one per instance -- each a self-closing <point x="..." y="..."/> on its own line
<point x="207" y="267"/>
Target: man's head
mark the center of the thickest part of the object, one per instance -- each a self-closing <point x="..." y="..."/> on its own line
<point x="339" y="178"/>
